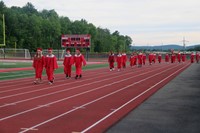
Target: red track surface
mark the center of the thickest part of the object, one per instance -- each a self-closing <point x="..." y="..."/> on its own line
<point x="90" y="104"/>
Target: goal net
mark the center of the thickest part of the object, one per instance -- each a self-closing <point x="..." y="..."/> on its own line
<point x="15" y="53"/>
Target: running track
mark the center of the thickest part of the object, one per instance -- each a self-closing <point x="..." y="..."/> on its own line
<point x="91" y="104"/>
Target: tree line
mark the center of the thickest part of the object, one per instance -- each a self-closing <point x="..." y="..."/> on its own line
<point x="29" y="28"/>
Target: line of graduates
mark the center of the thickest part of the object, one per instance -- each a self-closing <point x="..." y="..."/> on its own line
<point x="121" y="59"/>
<point x="49" y="62"/>
<point x="139" y="58"/>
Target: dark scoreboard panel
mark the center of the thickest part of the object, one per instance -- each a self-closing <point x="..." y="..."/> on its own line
<point x="76" y="41"/>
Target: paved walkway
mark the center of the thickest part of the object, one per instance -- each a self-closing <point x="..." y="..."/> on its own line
<point x="173" y="109"/>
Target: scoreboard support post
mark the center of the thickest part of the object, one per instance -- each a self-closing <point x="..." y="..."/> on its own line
<point x="87" y="53"/>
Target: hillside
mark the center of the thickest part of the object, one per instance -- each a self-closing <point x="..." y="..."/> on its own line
<point x="163" y="47"/>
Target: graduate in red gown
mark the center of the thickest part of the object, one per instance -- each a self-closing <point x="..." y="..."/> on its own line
<point x="140" y="57"/>
<point x="150" y="58"/>
<point x="68" y="62"/>
<point x="192" y="57"/>
<point x="183" y="57"/>
<point x="111" y="60"/>
<point x="179" y="57"/>
<point x="197" y="57"/>
<point x="38" y="64"/>
<point x="50" y="65"/>
<point x="132" y="60"/>
<point x="154" y="58"/>
<point x="144" y="58"/>
<point x="159" y="57"/>
<point x="173" y="56"/>
<point x="124" y="59"/>
<point x="119" y="61"/>
<point x="79" y="61"/>
<point x="167" y="58"/>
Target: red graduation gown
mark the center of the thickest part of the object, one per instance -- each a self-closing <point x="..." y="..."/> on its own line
<point x="132" y="60"/>
<point x="111" y="60"/>
<point x="159" y="58"/>
<point x="179" y="57"/>
<point x="124" y="59"/>
<point x="38" y="64"/>
<point x="192" y="58"/>
<point x="183" y="56"/>
<point x="197" y="57"/>
<point x="140" y="59"/>
<point x="50" y="65"/>
<point x="119" y="61"/>
<point x="150" y="58"/>
<point x="166" y="57"/>
<point x="68" y="62"/>
<point x="144" y="59"/>
<point x="173" y="58"/>
<point x="78" y="61"/>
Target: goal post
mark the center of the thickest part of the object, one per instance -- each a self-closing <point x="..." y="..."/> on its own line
<point x="15" y="53"/>
<point x="4" y="32"/>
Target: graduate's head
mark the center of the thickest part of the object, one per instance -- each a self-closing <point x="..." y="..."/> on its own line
<point x="78" y="51"/>
<point x="68" y="51"/>
<point x="50" y="50"/>
<point x="39" y="51"/>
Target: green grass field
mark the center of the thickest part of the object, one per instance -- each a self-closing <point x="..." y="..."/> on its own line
<point x="30" y="73"/>
<point x="4" y="65"/>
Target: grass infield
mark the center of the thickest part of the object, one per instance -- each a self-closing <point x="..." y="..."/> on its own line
<point x="31" y="73"/>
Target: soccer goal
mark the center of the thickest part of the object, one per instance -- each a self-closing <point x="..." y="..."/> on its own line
<point x="15" y="53"/>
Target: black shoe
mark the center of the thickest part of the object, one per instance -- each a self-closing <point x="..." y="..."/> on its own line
<point x="80" y="76"/>
<point x="66" y="76"/>
<point x="76" y="77"/>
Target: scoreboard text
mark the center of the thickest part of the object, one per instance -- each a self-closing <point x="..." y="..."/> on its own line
<point x="75" y="41"/>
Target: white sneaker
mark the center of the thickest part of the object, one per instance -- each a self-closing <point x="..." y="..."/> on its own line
<point x="50" y="83"/>
<point x="35" y="82"/>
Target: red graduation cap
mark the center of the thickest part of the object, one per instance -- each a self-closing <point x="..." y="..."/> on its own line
<point x="67" y="50"/>
<point x="50" y="49"/>
<point x="78" y="50"/>
<point x="39" y="49"/>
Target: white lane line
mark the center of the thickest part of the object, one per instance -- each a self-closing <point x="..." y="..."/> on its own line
<point x="35" y="129"/>
<point x="57" y="81"/>
<point x="78" y="107"/>
<point x="19" y="80"/>
<point x="21" y="101"/>
<point x="104" y="118"/>
<point x="61" y="100"/>
<point x="55" y="86"/>
<point x="43" y="106"/>
<point x="98" y="99"/>
<point x="21" y="88"/>
<point x="9" y="104"/>
<point x="31" y="80"/>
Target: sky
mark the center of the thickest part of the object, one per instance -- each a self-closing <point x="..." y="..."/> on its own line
<point x="147" y="22"/>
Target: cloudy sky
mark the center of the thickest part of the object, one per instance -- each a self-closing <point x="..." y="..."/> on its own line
<point x="147" y="22"/>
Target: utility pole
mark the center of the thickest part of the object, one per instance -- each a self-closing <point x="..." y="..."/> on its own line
<point x="184" y="45"/>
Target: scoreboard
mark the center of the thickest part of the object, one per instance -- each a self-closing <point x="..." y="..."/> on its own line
<point x="76" y="41"/>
